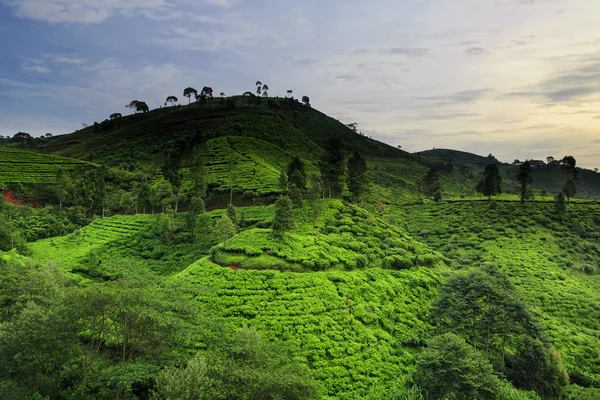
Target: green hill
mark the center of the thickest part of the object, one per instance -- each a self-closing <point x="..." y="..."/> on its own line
<point x="135" y="305"/>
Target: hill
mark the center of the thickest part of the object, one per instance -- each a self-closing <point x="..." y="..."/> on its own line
<point x="548" y="177"/>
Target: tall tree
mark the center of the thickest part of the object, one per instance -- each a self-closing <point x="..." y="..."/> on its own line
<point x="208" y="93"/>
<point x="232" y="213"/>
<point x="172" y="100"/>
<point x="189" y="92"/>
<point x="290" y="93"/>
<point x="569" y="189"/>
<point x="333" y="167"/>
<point x="283" y="220"/>
<point x="431" y="182"/>
<point x="569" y="164"/>
<point x="295" y="196"/>
<point x="141" y="107"/>
<point x="283" y="182"/>
<point x="258" y="87"/>
<point x="357" y="175"/>
<point x="525" y="179"/>
<point x="491" y="183"/>
<point x="265" y="89"/>
<point x="306" y="101"/>
<point x="296" y="173"/>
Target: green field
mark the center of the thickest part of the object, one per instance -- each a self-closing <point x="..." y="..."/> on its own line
<point x="20" y="166"/>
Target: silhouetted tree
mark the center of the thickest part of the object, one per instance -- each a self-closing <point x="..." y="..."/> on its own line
<point x="115" y="115"/>
<point x="525" y="179"/>
<point x="289" y="93"/>
<point x="265" y="89"/>
<point x="357" y="176"/>
<point x="172" y="100"/>
<point x="189" y="92"/>
<point x="258" y="87"/>
<point x="208" y="93"/>
<point x="569" y="164"/>
<point x="141" y="107"/>
<point x="491" y="183"/>
<point x="306" y="101"/>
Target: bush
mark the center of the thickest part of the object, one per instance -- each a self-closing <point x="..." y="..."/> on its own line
<point x="230" y="104"/>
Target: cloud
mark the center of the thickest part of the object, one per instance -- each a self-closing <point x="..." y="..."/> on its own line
<point x="39" y="68"/>
<point x="468" y="42"/>
<point x="465" y="96"/>
<point x="81" y="11"/>
<point x="476" y="51"/>
<point x="408" y="51"/>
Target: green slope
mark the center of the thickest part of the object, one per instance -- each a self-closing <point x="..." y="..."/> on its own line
<point x="553" y="260"/>
<point x="21" y="166"/>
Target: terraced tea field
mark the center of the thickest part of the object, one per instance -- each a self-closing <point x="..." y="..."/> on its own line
<point x="94" y="236"/>
<point x="20" y="166"/>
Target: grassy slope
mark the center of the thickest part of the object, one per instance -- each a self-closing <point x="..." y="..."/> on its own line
<point x="544" y="256"/>
<point x="21" y="166"/>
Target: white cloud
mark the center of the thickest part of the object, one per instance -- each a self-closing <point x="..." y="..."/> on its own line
<point x="39" y="68"/>
<point x="81" y="11"/>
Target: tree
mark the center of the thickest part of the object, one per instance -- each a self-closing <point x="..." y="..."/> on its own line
<point x="283" y="220"/>
<point x="333" y="167"/>
<point x="196" y="208"/>
<point x="189" y="92"/>
<point x="290" y="93"/>
<point x="172" y="100"/>
<point x="265" y="89"/>
<point x="22" y="137"/>
<point x="203" y="231"/>
<point x="240" y="367"/>
<point x="296" y="173"/>
<point x="115" y="116"/>
<point x="141" y="193"/>
<point x="63" y="187"/>
<point x="133" y="105"/>
<point x="491" y="183"/>
<point x="225" y="228"/>
<point x="283" y="182"/>
<point x="208" y="93"/>
<point x="295" y="196"/>
<point x="232" y="213"/>
<point x="431" y="182"/>
<point x="306" y="101"/>
<point x="525" y="179"/>
<point x="569" y="189"/>
<point x="167" y="226"/>
<point x="538" y="367"/>
<point x="484" y="306"/>
<point x="357" y="175"/>
<point x="450" y="368"/>
<point x="258" y="87"/>
<point x="139" y="106"/>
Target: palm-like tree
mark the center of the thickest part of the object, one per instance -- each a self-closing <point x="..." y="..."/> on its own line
<point x="208" y="93"/>
<point x="189" y="92"/>
<point x="289" y="93"/>
<point x="265" y="89"/>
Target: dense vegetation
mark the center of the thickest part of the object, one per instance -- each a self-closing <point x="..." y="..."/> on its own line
<point x="253" y="247"/>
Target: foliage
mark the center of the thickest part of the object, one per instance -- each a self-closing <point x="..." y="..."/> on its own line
<point x="525" y="179"/>
<point x="450" y="367"/>
<point x="357" y="176"/>
<point x="491" y="183"/>
<point x="333" y="168"/>
<point x="295" y="196"/>
<point x="284" y="216"/>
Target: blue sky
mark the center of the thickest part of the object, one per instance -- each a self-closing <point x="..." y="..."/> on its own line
<point x="516" y="78"/>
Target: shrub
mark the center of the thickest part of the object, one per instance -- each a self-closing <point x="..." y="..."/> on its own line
<point x="230" y="104"/>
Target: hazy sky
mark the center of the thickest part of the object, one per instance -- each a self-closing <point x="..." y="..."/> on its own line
<point x="517" y="78"/>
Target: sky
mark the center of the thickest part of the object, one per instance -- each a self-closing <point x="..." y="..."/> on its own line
<point x="516" y="78"/>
